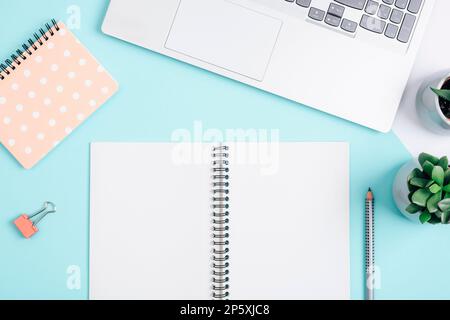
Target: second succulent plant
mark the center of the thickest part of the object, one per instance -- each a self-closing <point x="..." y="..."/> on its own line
<point x="429" y="188"/>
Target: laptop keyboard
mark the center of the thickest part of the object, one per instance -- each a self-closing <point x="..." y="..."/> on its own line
<point x="393" y="19"/>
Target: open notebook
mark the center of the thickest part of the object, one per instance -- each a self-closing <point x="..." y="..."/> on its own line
<point x="235" y="221"/>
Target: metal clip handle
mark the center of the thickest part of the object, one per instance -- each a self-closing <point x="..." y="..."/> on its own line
<point x="48" y="207"/>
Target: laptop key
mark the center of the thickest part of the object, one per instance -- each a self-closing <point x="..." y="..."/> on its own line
<point x="371" y="7"/>
<point x="303" y="3"/>
<point x="384" y="11"/>
<point x="355" y="4"/>
<point x="396" y="16"/>
<point x="401" y="4"/>
<point x="316" y="14"/>
<point x="391" y="31"/>
<point x="348" y="25"/>
<point x="332" y="20"/>
<point x="388" y="1"/>
<point x="336" y="10"/>
<point x="414" y="6"/>
<point x="406" y="28"/>
<point x="372" y="24"/>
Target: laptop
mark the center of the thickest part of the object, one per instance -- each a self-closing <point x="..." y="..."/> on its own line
<point x="349" y="58"/>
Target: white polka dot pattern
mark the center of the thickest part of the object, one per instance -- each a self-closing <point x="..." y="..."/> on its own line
<point x="49" y="95"/>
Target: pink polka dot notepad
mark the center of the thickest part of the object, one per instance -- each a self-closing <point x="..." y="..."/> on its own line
<point x="47" y="89"/>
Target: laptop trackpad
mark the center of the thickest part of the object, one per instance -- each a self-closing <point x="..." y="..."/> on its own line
<point x="224" y="34"/>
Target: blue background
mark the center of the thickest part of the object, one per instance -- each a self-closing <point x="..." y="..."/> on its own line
<point x="158" y="95"/>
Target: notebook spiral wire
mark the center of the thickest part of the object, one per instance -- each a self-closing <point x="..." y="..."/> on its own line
<point x="28" y="48"/>
<point x="220" y="220"/>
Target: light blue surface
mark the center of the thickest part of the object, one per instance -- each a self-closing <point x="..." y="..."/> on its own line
<point x="158" y="95"/>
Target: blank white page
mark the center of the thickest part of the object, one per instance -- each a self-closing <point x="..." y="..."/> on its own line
<point x="289" y="221"/>
<point x="150" y="229"/>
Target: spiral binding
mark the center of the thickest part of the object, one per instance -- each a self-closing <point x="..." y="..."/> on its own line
<point x="19" y="56"/>
<point x="220" y="206"/>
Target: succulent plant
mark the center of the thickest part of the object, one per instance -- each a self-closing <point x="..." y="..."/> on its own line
<point x="429" y="189"/>
<point x="444" y="100"/>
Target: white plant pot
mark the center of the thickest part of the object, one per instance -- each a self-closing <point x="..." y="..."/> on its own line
<point x="400" y="190"/>
<point x="428" y="107"/>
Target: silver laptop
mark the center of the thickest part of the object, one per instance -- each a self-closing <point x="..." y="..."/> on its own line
<point x="349" y="58"/>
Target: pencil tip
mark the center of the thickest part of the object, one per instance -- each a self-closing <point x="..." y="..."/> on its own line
<point x="370" y="189"/>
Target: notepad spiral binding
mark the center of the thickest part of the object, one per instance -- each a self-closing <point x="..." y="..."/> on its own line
<point x="10" y="65"/>
<point x="220" y="206"/>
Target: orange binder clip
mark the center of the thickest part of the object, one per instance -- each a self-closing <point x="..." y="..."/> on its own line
<point x="27" y="226"/>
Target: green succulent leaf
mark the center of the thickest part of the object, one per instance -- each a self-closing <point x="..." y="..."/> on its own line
<point x="412" y="188"/>
<point x="446" y="188"/>
<point x="447" y="195"/>
<point x="419" y="182"/>
<point x="423" y="157"/>
<point x="434" y="220"/>
<point x="442" y="93"/>
<point x="438" y="175"/>
<point x="413" y="208"/>
<point x="444" y="205"/>
<point x="416" y="173"/>
<point x="425" y="217"/>
<point x="428" y="168"/>
<point x="443" y="163"/>
<point x="432" y="203"/>
<point x="447" y="177"/>
<point x="445" y="217"/>
<point x="435" y="188"/>
<point x="421" y="196"/>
